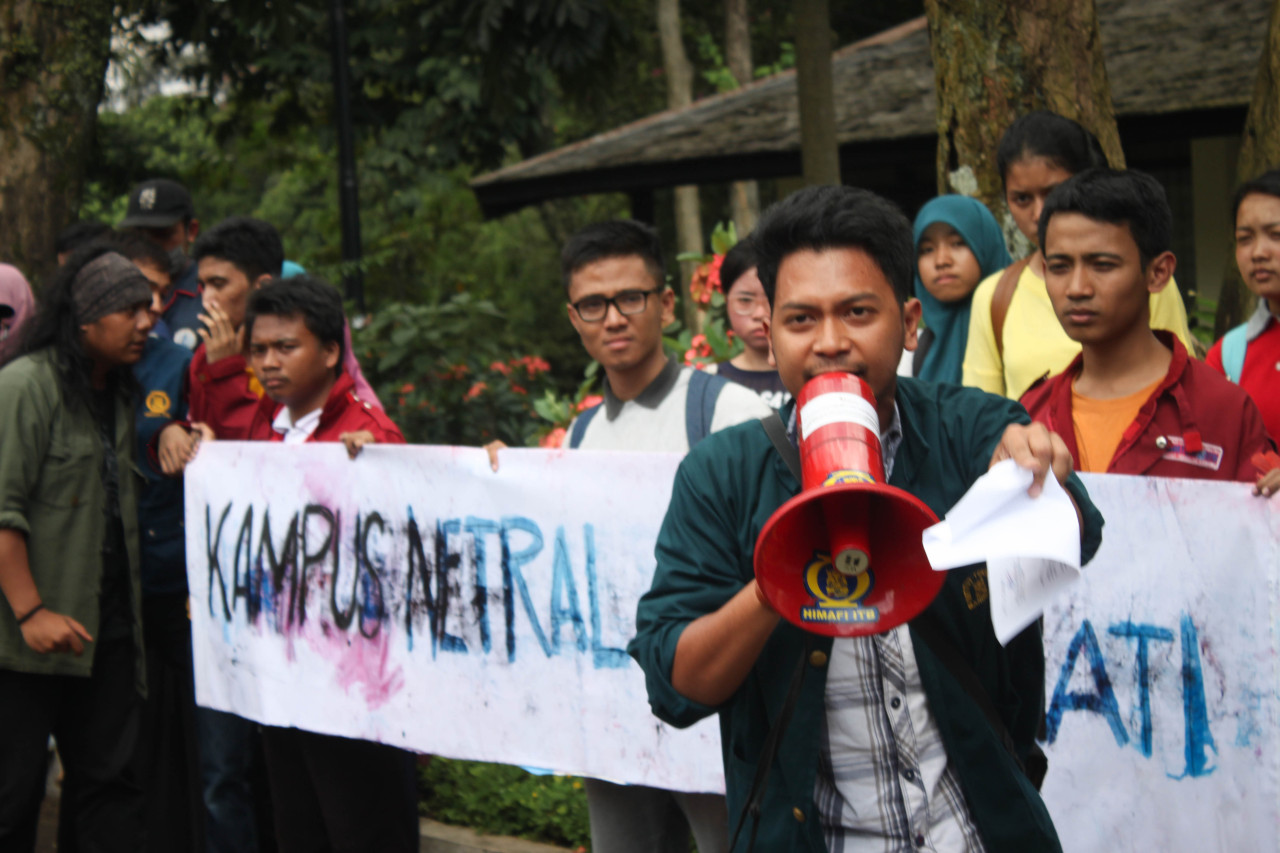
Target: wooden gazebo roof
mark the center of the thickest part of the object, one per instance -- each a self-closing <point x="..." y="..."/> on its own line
<point x="1182" y="67"/>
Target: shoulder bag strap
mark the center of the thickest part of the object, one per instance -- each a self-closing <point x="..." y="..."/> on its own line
<point x="1002" y="297"/>
<point x="580" y="425"/>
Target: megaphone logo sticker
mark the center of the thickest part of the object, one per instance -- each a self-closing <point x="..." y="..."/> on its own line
<point x="847" y="476"/>
<point x="838" y="596"/>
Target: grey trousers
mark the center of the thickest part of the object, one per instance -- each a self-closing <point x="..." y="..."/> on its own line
<point x="637" y="819"/>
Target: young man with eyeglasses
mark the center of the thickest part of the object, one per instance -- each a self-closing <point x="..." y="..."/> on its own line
<point x="748" y="312"/>
<point x="619" y="303"/>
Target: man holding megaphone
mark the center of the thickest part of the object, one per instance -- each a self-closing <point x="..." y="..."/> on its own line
<point x="901" y="735"/>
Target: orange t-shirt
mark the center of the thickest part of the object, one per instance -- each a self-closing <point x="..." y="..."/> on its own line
<point x="1100" y="425"/>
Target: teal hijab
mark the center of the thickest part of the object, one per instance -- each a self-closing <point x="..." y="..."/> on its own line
<point x="949" y="321"/>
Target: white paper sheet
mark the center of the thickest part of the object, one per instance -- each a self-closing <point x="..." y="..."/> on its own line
<point x="1031" y="545"/>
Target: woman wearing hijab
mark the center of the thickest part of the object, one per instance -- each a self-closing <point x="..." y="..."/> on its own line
<point x="958" y="244"/>
<point x="16" y="305"/>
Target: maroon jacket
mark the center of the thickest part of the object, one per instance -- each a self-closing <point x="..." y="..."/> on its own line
<point x="343" y="412"/>
<point x="1196" y="425"/>
<point x="223" y="395"/>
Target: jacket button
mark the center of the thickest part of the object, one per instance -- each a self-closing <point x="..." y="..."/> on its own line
<point x="798" y="813"/>
<point x="818" y="658"/>
<point x="1162" y="442"/>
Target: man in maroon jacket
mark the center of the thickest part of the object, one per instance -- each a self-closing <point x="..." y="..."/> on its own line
<point x="1133" y="401"/>
<point x="236" y="256"/>
<point x="328" y="793"/>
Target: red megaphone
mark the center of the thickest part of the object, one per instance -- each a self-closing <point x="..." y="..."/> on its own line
<point x="844" y="557"/>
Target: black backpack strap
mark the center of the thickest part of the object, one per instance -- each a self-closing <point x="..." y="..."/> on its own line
<point x="777" y="432"/>
<point x="769" y="751"/>
<point x="700" y="404"/>
<point x="927" y="628"/>
<point x="580" y="425"/>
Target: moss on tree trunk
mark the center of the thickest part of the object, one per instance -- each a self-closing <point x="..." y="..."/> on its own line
<point x="1259" y="151"/>
<point x="53" y="55"/>
<point x="995" y="60"/>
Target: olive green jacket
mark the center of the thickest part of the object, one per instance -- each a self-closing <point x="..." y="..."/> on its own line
<point x="51" y="490"/>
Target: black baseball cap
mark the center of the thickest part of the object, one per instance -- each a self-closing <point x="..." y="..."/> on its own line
<point x="157" y="203"/>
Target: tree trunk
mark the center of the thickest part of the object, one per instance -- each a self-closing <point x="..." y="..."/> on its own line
<point x="679" y="75"/>
<point x="744" y="196"/>
<point x="995" y="60"/>
<point x="53" y="56"/>
<point x="819" y="152"/>
<point x="1259" y="151"/>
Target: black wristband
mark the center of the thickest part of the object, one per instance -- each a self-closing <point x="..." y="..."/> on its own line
<point x="32" y="612"/>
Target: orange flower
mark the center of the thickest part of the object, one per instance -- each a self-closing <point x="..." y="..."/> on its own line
<point x="555" y="438"/>
<point x="476" y="390"/>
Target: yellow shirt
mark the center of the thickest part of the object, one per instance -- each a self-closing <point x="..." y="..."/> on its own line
<point x="1034" y="340"/>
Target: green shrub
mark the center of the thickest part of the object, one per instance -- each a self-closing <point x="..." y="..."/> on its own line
<point x="496" y="799"/>
<point x="445" y="377"/>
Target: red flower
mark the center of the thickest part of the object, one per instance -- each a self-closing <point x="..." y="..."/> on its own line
<point x="476" y="390"/>
<point x="555" y="438"/>
<point x="533" y="364"/>
<point x="406" y="388"/>
<point x="706" y="280"/>
<point x="587" y="402"/>
<point x="500" y="367"/>
<point x="518" y="389"/>
<point x="713" y="274"/>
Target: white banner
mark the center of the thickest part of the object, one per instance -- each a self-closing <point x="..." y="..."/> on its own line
<point x="1161" y="674"/>
<point x="416" y="598"/>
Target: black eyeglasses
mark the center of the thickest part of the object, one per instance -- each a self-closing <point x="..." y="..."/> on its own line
<point x="593" y="309"/>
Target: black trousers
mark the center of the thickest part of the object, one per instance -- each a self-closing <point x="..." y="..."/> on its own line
<point x="95" y="721"/>
<point x="335" y="794"/>
<point x="166" y="761"/>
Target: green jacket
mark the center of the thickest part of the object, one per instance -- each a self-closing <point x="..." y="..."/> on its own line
<point x="51" y="490"/>
<point x="725" y="490"/>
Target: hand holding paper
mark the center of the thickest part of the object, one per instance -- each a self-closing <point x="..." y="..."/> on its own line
<point x="1031" y="545"/>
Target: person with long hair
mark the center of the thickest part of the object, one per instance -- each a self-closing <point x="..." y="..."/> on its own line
<point x="70" y="626"/>
<point x="958" y="244"/>
<point x="1014" y="335"/>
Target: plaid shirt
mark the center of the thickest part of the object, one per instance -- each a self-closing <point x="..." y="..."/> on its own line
<point x="883" y="781"/>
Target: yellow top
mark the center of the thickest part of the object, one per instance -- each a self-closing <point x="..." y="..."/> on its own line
<point x="1034" y="341"/>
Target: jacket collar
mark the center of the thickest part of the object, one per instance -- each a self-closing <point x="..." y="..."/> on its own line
<point x="652" y="395"/>
<point x="913" y="452"/>
<point x="337" y="402"/>
<point x="1258" y="320"/>
<point x="1060" y="402"/>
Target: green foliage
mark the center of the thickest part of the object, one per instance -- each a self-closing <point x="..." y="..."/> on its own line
<point x="716" y="342"/>
<point x="499" y="800"/>
<point x="716" y="72"/>
<point x="786" y="61"/>
<point x="445" y="377"/>
<point x="1201" y="318"/>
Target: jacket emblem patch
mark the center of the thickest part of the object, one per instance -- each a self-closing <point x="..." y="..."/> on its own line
<point x="1210" y="457"/>
<point x="975" y="589"/>
<point x="158" y="404"/>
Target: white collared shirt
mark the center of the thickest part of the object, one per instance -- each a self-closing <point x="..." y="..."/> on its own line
<point x="296" y="433"/>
